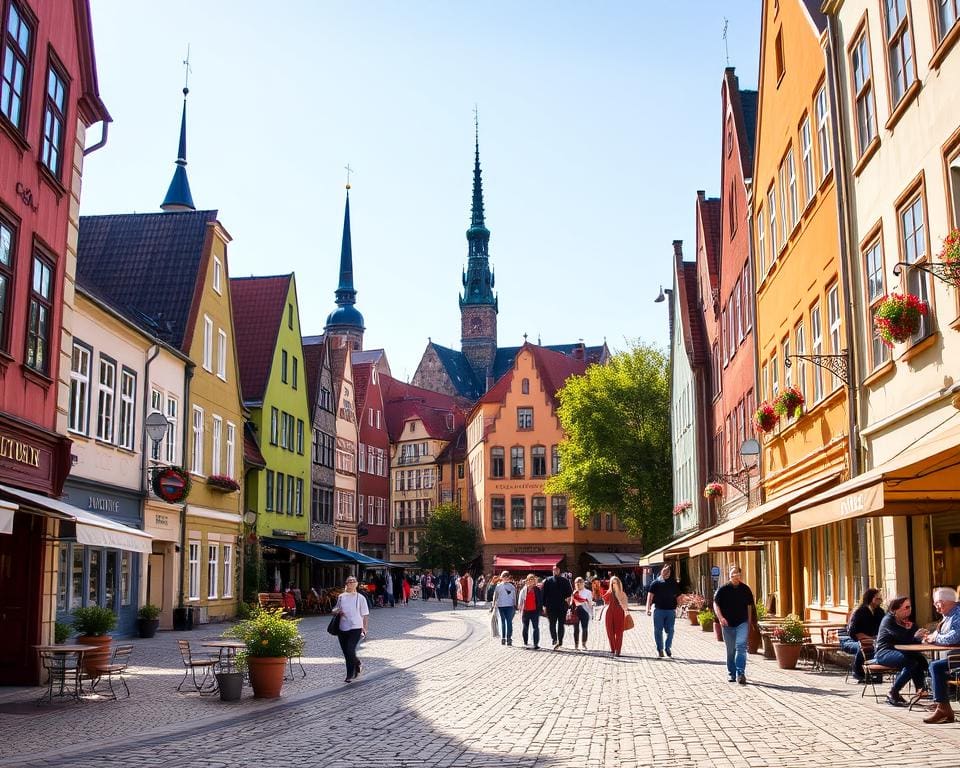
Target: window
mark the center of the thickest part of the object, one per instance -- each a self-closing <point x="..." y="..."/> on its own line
<point x="283" y="366"/>
<point x="747" y="299"/>
<point x="274" y="426"/>
<point x="93" y="578"/>
<point x="278" y="506"/>
<point x="269" y="500"/>
<point x="761" y="241"/>
<point x="76" y="577"/>
<point x="799" y="336"/>
<point x="197" y="464"/>
<point x="128" y="394"/>
<point x="207" y="343"/>
<point x="725" y="339"/>
<point x="558" y="506"/>
<point x="792" y="189"/>
<point x="516" y="461"/>
<point x="41" y="307"/>
<point x="193" y="571"/>
<point x="213" y="569"/>
<point x="608" y="521"/>
<point x="779" y="54"/>
<point x="17" y="51"/>
<point x="833" y="316"/>
<point x="866" y="119"/>
<point x="899" y="48"/>
<point x="913" y="250"/>
<point x="173" y="419"/>
<point x="498" y="512"/>
<point x="823" y="131"/>
<point x="876" y="290"/>
<point x="538" y="512"/>
<point x="299" y="498"/>
<point x="595" y="521"/>
<point x="787" y="369"/>
<point x="300" y="436"/>
<point x="296" y="373"/>
<point x="524" y="418"/>
<point x="291" y="503"/>
<point x="54" y="113"/>
<point x="217" y="275"/>
<point x="774" y="375"/>
<point x="554" y="459"/>
<point x="738" y="312"/>
<point x="717" y="363"/>
<point x="772" y="214"/>
<point x="227" y="570"/>
<point x="156" y="406"/>
<point x="538" y="458"/>
<point x="816" y="335"/>
<point x="525" y="386"/>
<point x="78" y="419"/>
<point x="215" y="448"/>
<point x="326" y="399"/>
<point x="518" y="512"/>
<point x="806" y="158"/>
<point x="106" y="392"/>
<point x="496" y="462"/>
<point x="222" y="354"/>
<point x="360" y="508"/>
<point x="6" y="276"/>
<point x="231" y="449"/>
<point x="947" y="14"/>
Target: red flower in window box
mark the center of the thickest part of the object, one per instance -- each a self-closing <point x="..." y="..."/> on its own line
<point x="713" y="491"/>
<point x="766" y="417"/>
<point x="789" y="403"/>
<point x="898" y="317"/>
<point x="950" y="255"/>
<point x="223" y="483"/>
<point x="682" y="507"/>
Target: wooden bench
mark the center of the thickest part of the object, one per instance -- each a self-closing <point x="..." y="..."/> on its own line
<point x="270" y="601"/>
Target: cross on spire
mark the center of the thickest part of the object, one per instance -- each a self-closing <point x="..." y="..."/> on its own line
<point x="726" y="42"/>
<point x="186" y="72"/>
<point x="349" y="170"/>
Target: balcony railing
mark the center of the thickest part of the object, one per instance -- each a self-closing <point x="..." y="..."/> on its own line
<point x="405" y="460"/>
<point x="406" y="521"/>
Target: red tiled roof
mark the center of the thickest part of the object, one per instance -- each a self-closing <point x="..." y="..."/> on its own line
<point x="258" y="304"/>
<point x="251" y="451"/>
<point x="402" y="402"/>
<point x="361" y="379"/>
<point x="553" y="368"/>
<point x="691" y="320"/>
<point x="313" y="352"/>
<point x="710" y="211"/>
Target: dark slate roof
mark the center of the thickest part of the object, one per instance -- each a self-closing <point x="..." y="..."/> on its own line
<point x="258" y="310"/>
<point x="506" y="355"/>
<point x="402" y="402"/>
<point x="459" y="370"/>
<point x="313" y="351"/>
<point x="146" y="263"/>
<point x="748" y="104"/>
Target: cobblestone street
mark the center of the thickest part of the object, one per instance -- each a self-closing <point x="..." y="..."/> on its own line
<point x="438" y="691"/>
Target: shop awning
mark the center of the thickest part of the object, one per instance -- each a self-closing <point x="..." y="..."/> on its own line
<point x="921" y="480"/>
<point x="604" y="558"/>
<point x="6" y="516"/>
<point x="355" y="557"/>
<point x="676" y="548"/>
<point x="525" y="561"/>
<point x="764" y="522"/>
<point x="309" y="549"/>
<point x="92" y="529"/>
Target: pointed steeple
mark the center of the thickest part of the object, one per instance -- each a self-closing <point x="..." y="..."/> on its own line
<point x="476" y="218"/>
<point x="478" y="279"/>
<point x="178" y="194"/>
<point x="346" y="318"/>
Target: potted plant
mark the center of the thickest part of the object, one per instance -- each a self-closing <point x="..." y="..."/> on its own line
<point x="950" y="256"/>
<point x="788" y="638"/>
<point x="766" y="418"/>
<point x="754" y="638"/>
<point x="693" y="605"/>
<point x="713" y="491"/>
<point x="148" y="620"/>
<point x="789" y="403"/>
<point x="223" y="483"/>
<point x="898" y="317"/>
<point x="92" y="625"/>
<point x="61" y="632"/>
<point x="706" y="619"/>
<point x="269" y="639"/>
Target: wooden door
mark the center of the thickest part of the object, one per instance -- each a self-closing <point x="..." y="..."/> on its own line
<point x="21" y="556"/>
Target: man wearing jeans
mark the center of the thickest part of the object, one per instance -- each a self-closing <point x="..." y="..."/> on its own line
<point x="735" y="610"/>
<point x="946" y="633"/>
<point x="662" y="596"/>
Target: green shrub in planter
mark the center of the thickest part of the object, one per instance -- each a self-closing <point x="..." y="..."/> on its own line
<point x="149" y="611"/>
<point x="93" y="620"/>
<point x="61" y="632"/>
<point x="706" y="617"/>
<point x="268" y="634"/>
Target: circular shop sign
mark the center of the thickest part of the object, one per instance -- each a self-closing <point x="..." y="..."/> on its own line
<point x="171" y="484"/>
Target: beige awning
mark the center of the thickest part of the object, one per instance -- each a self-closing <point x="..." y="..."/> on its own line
<point x="675" y="548"/>
<point x="762" y="523"/>
<point x="92" y="529"/>
<point x="6" y="516"/>
<point x="922" y="479"/>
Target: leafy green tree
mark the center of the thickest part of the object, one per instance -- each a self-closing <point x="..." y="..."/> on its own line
<point x="448" y="540"/>
<point x="616" y="454"/>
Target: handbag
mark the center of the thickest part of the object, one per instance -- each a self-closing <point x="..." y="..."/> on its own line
<point x="627" y="621"/>
<point x="571" y="618"/>
<point x="494" y="628"/>
<point x="333" y="628"/>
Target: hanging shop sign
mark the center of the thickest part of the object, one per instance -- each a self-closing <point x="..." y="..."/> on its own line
<point x="171" y="484"/>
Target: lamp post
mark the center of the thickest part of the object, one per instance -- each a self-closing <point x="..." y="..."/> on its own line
<point x="749" y="458"/>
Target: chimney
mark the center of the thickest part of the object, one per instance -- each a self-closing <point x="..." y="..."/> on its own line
<point x="579" y="351"/>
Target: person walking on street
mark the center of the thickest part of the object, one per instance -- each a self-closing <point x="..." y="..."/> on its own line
<point x="481" y="591"/>
<point x="616" y="600"/>
<point x="662" y="597"/>
<point x="405" y="586"/>
<point x="354" y="613"/>
<point x="388" y="588"/>
<point x="556" y="598"/>
<point x="505" y="602"/>
<point x="453" y="584"/>
<point x="531" y="603"/>
<point x="735" y="609"/>
<point x="582" y="601"/>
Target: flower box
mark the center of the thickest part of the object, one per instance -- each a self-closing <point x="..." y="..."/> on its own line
<point x="682" y="507"/>
<point x="223" y="483"/>
<point x="766" y="418"/>
<point x="898" y="317"/>
<point x="713" y="491"/>
<point x="789" y="403"/>
<point x="950" y="256"/>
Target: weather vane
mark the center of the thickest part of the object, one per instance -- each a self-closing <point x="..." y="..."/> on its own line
<point x="726" y="42"/>
<point x="187" y="71"/>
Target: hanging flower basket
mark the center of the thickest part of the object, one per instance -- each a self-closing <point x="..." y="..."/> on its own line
<point x="950" y="256"/>
<point x="682" y="507"/>
<point x="789" y="403"/>
<point x="766" y="418"/>
<point x="713" y="491"/>
<point x="898" y="317"/>
<point x="223" y="483"/>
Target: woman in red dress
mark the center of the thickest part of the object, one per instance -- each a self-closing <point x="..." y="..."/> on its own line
<point x="616" y="601"/>
<point x="406" y="590"/>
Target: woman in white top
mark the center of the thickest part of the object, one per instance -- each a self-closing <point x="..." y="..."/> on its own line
<point x="354" y="612"/>
<point x="505" y="601"/>
<point x="582" y="602"/>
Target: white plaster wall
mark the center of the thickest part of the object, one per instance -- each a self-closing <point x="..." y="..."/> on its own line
<point x="683" y="428"/>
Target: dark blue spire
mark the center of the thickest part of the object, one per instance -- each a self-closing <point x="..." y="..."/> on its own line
<point x="346" y="295"/>
<point x="478" y="279"/>
<point x="178" y="194"/>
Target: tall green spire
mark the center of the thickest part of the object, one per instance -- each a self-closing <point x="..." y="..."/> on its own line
<point x="478" y="279"/>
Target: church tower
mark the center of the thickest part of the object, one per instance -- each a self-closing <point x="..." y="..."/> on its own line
<point x="345" y="324"/>
<point x="478" y="304"/>
<point x="178" y="197"/>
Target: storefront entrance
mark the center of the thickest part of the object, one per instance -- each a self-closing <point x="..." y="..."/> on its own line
<point x="21" y="561"/>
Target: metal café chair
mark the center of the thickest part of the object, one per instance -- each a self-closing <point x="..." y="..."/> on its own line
<point x="116" y="668"/>
<point x="289" y="674"/>
<point x="63" y="675"/>
<point x="191" y="664"/>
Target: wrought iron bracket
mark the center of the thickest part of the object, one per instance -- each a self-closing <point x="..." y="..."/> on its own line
<point x="838" y="365"/>
<point x="948" y="273"/>
<point x="739" y="480"/>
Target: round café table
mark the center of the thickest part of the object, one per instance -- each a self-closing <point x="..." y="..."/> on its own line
<point x="227" y="650"/>
<point x="932" y="649"/>
<point x="64" y="666"/>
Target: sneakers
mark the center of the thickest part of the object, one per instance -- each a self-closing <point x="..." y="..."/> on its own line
<point x="742" y="679"/>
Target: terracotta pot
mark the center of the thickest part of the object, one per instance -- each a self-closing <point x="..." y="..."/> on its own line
<point x="692" y="616"/>
<point x="788" y="654"/>
<point x="718" y="630"/>
<point x="768" y="652"/>
<point x="266" y="675"/>
<point x="94" y="659"/>
<point x="754" y="641"/>
<point x="707" y="626"/>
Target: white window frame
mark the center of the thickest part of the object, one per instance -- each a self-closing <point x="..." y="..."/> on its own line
<point x="79" y="419"/>
<point x="193" y="570"/>
<point x="207" y="343"/>
<point x="173" y="419"/>
<point x="217" y="275"/>
<point x="816" y="337"/>
<point x="833" y="316"/>
<point x="106" y="398"/>
<point x="231" y="449"/>
<point x="213" y="570"/>
<point x="126" y="437"/>
<point x="196" y="461"/>
<point x="806" y="154"/>
<point x="216" y="447"/>
<point x="156" y="406"/>
<point x="792" y="186"/>
<point x="772" y="216"/>
<point x="823" y="132"/>
<point x="227" y="570"/>
<point x="222" y="354"/>
<point x="762" y="241"/>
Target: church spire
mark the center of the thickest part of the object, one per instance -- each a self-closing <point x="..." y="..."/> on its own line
<point x="476" y="218"/>
<point x="178" y="194"/>
<point x="478" y="279"/>
<point x="346" y="320"/>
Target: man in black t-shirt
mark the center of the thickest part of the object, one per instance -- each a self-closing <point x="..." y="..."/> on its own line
<point x="663" y="597"/>
<point x="735" y="609"/>
<point x="556" y="597"/>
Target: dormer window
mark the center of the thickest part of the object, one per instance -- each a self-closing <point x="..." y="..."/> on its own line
<point x="525" y="386"/>
<point x="217" y="275"/>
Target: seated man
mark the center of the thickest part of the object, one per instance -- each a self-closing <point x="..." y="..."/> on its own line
<point x="946" y="633"/>
<point x="864" y="623"/>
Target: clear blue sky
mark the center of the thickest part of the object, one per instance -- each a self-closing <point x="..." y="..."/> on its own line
<point x="598" y="123"/>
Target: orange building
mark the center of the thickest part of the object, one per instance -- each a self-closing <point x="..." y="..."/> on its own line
<point x="513" y="438"/>
<point x="801" y="296"/>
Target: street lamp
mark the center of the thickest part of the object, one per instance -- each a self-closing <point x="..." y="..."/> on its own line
<point x="156" y="425"/>
<point x="749" y="458"/>
<point x="661" y="297"/>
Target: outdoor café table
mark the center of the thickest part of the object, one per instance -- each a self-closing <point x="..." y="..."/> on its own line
<point x="57" y="675"/>
<point x="227" y="650"/>
<point x="932" y="649"/>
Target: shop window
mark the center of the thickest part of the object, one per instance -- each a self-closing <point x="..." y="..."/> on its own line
<point x="110" y="580"/>
<point x="93" y="577"/>
<point x="814" y="572"/>
<point x="62" y="578"/>
<point x="38" y="319"/>
<point x="76" y="578"/>
<point x="125" y="578"/>
<point x="828" y="565"/>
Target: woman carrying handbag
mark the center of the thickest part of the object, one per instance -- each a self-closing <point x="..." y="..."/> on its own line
<point x="353" y="613"/>
<point x="582" y="608"/>
<point x="616" y="614"/>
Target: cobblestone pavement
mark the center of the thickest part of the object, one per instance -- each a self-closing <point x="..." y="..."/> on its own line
<point x="438" y="691"/>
